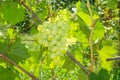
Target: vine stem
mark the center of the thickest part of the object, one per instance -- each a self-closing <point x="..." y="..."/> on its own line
<point x="78" y="63"/>
<point x="91" y="35"/>
<point x="50" y="10"/>
<point x="114" y="58"/>
<point x="15" y="64"/>
<point x="34" y="16"/>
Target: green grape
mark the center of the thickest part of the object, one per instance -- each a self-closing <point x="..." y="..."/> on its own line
<point x="50" y="37"/>
<point x="48" y="32"/>
<point x="52" y="55"/>
<point x="46" y="24"/>
<point x="63" y="40"/>
<point x="45" y="43"/>
<point x="50" y="25"/>
<point x="57" y="37"/>
<point x="54" y="27"/>
<point x="61" y="33"/>
<point x="53" y="43"/>
<point x="53" y="36"/>
<point x="60" y="44"/>
<point x="54" y="49"/>
<point x="54" y="32"/>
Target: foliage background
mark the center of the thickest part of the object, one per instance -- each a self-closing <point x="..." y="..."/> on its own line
<point x="59" y="39"/>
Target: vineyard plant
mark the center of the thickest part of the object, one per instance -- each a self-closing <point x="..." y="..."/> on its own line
<point x="59" y="39"/>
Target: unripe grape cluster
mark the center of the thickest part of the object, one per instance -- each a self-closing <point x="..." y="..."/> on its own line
<point x="53" y="35"/>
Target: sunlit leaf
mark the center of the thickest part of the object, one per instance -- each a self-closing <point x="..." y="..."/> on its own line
<point x="77" y="52"/>
<point x="104" y="53"/>
<point x="98" y="31"/>
<point x="83" y="27"/>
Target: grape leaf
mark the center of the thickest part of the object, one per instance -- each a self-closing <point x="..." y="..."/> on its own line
<point x="83" y="27"/>
<point x="104" y="53"/>
<point x="82" y="75"/>
<point x="98" y="31"/>
<point x="8" y="0"/>
<point x="37" y="54"/>
<point x="76" y="49"/>
<point x="43" y="11"/>
<point x="111" y="3"/>
<point x="4" y="46"/>
<point x="12" y="13"/>
<point x="69" y="64"/>
<point x="116" y="73"/>
<point x="81" y="37"/>
<point x="7" y="74"/>
<point x="93" y="76"/>
<point x="103" y="74"/>
<point x="33" y="30"/>
<point x="18" y="51"/>
<point x="81" y="7"/>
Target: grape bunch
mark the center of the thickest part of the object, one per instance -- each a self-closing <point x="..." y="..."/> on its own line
<point x="53" y="35"/>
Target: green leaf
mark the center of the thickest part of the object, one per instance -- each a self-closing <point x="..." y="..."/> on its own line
<point x="0" y="17"/>
<point x="43" y="11"/>
<point x="81" y="7"/>
<point x="81" y="37"/>
<point x="7" y="74"/>
<point x="33" y="30"/>
<point x="4" y="46"/>
<point x="83" y="27"/>
<point x="103" y="74"/>
<point x="111" y="3"/>
<point x="104" y="53"/>
<point x="82" y="75"/>
<point x="115" y="72"/>
<point x="98" y="31"/>
<point x="68" y="64"/>
<point x="37" y="53"/>
<point x="12" y="12"/>
<point x="15" y="51"/>
<point x="76" y="50"/>
<point x="7" y="0"/>
<point x="18" y="51"/>
<point x="93" y="76"/>
<point x="11" y="33"/>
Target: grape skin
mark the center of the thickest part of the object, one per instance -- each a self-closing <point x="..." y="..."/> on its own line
<point x="53" y="36"/>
